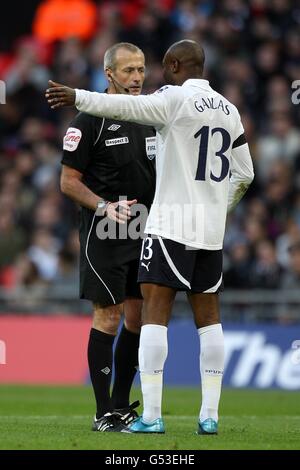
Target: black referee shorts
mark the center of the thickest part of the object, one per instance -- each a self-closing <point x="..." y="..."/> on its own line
<point x="108" y="268"/>
<point x="172" y="264"/>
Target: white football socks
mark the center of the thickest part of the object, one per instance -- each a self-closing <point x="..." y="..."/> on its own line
<point x="153" y="352"/>
<point x="211" y="369"/>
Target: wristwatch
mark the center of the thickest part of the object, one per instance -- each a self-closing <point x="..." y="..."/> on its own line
<point x="101" y="207"/>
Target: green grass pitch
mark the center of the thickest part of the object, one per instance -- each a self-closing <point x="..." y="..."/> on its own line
<point x="60" y="418"/>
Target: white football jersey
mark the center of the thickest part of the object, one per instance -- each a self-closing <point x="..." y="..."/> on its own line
<point x="203" y="162"/>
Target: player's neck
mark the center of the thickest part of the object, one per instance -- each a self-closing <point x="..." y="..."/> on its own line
<point x="194" y="76"/>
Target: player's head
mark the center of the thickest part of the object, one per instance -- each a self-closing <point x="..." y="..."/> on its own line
<point x="183" y="60"/>
<point x="124" y="66"/>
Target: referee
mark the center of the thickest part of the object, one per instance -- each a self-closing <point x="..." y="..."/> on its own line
<point x="104" y="160"/>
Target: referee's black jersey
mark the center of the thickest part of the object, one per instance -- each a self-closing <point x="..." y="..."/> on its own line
<point x="116" y="158"/>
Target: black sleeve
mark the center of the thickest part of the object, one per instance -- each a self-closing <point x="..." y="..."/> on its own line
<point x="79" y="141"/>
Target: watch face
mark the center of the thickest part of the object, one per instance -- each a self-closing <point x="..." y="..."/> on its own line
<point x="101" y="207"/>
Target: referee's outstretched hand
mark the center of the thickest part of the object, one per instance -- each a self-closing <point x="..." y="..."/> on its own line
<point x="120" y="211"/>
<point x="60" y="95"/>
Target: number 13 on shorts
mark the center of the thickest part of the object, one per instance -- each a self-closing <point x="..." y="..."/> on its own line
<point x="147" y="251"/>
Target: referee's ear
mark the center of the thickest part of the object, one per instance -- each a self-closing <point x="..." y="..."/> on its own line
<point x="108" y="74"/>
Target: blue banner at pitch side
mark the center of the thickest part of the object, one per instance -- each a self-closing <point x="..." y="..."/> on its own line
<point x="259" y="356"/>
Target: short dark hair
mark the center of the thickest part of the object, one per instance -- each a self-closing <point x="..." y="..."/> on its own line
<point x="190" y="52"/>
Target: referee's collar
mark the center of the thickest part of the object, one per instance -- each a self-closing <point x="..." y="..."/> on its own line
<point x="198" y="82"/>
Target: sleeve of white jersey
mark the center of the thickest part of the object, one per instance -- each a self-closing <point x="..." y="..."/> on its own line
<point x="144" y="109"/>
<point x="241" y="169"/>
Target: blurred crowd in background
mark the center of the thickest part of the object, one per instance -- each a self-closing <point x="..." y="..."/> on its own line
<point x="252" y="57"/>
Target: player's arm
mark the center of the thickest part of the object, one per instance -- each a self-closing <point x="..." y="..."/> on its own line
<point x="143" y="109"/>
<point x="242" y="172"/>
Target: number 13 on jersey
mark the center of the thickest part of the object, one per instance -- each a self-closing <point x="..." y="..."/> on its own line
<point x="205" y="135"/>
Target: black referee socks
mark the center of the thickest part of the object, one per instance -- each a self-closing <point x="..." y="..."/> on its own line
<point x="126" y="364"/>
<point x="100" y="357"/>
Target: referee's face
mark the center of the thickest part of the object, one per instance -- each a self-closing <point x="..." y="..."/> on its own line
<point x="129" y="71"/>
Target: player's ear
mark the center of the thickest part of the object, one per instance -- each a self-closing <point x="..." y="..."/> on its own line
<point x="175" y="65"/>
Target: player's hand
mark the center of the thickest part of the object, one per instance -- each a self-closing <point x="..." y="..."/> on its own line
<point x="120" y="211"/>
<point x="60" y="95"/>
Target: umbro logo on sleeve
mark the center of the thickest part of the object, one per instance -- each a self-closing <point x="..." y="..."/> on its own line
<point x="113" y="127"/>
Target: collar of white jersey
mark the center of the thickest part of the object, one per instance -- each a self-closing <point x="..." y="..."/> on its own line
<point x="198" y="82"/>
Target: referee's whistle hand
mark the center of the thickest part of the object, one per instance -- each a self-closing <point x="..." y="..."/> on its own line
<point x="59" y="95"/>
<point x="129" y="203"/>
<point x="120" y="211"/>
<point x="124" y="207"/>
